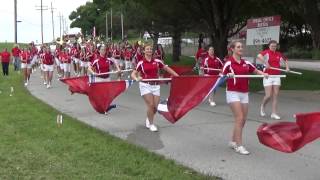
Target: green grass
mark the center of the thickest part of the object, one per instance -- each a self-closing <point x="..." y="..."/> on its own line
<point x="33" y="147"/>
<point x="9" y="46"/>
<point x="184" y="60"/>
<point x="309" y="80"/>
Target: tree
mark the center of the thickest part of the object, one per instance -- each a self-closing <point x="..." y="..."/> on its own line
<point x="311" y="12"/>
<point x="223" y="18"/>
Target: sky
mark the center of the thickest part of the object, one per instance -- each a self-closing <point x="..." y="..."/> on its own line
<point x="29" y="29"/>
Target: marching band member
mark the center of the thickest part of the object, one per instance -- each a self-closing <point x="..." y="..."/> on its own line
<point x="210" y="63"/>
<point x="199" y="57"/>
<point x="103" y="65"/>
<point x="84" y="61"/>
<point x="148" y="68"/>
<point x="26" y="64"/>
<point x="237" y="93"/>
<point x="48" y="62"/>
<point x="271" y="58"/>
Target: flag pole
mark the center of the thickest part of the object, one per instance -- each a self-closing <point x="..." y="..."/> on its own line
<point x="293" y="72"/>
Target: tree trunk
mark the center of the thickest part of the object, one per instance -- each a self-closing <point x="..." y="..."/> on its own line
<point x="316" y="39"/>
<point x="155" y="38"/>
<point x="176" y="46"/>
<point x="220" y="44"/>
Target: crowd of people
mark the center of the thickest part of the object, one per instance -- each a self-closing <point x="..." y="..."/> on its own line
<point x="145" y="62"/>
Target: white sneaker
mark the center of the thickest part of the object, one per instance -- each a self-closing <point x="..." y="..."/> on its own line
<point x="25" y="84"/>
<point x="242" y="150"/>
<point x="275" y="116"/>
<point x="232" y="145"/>
<point x="262" y="113"/>
<point x="153" y="128"/>
<point x="45" y="83"/>
<point x="211" y="102"/>
<point x="147" y="123"/>
<point x="48" y="86"/>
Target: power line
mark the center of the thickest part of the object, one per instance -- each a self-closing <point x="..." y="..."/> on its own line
<point x="42" y="8"/>
<point x="53" y="38"/>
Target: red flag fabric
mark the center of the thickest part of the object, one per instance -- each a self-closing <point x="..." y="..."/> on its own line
<point x="101" y="94"/>
<point x="187" y="92"/>
<point x="289" y="137"/>
<point x="77" y="84"/>
<point x="181" y="70"/>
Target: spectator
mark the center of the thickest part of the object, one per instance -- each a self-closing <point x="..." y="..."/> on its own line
<point x="5" y="60"/>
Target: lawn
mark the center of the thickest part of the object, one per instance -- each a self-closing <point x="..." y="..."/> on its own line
<point x="34" y="147"/>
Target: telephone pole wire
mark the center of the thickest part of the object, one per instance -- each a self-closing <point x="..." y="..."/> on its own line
<point x="42" y="8"/>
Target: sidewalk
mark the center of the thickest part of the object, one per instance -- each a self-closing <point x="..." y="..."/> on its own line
<point x="199" y="140"/>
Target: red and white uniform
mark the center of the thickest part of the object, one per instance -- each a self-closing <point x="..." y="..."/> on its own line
<point x="242" y="68"/>
<point x="158" y="54"/>
<point x="75" y="53"/>
<point x="16" y="52"/>
<point x="48" y="61"/>
<point x="66" y="60"/>
<point x="116" y="54"/>
<point x="34" y="55"/>
<point x="273" y="58"/>
<point x="150" y="70"/>
<point x="238" y="88"/>
<point x="213" y="63"/>
<point x="201" y="54"/>
<point x="138" y="57"/>
<point x="102" y="65"/>
<point x="26" y="57"/>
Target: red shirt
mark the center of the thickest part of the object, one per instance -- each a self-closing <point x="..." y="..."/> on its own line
<point x="116" y="54"/>
<point x="242" y="68"/>
<point x="201" y="54"/>
<point x="25" y="57"/>
<point x="5" y="57"/>
<point x="48" y="59"/>
<point x="150" y="69"/>
<point x="273" y="58"/>
<point x="212" y="62"/>
<point x="127" y="55"/>
<point x="75" y="52"/>
<point x="34" y="51"/>
<point x="16" y="51"/>
<point x="157" y="54"/>
<point x="139" y="57"/>
<point x="65" y="58"/>
<point x="102" y="65"/>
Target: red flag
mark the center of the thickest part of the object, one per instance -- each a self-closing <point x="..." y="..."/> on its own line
<point x="181" y="70"/>
<point x="187" y="92"/>
<point x="101" y="94"/>
<point x="77" y="84"/>
<point x="289" y="137"/>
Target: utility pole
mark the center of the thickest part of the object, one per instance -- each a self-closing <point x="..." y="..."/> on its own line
<point x="41" y="10"/>
<point x="62" y="21"/>
<point x="53" y="38"/>
<point x="107" y="33"/>
<point x="60" y="17"/>
<point x="122" y="35"/>
<point x="111" y="24"/>
<point x="15" y="22"/>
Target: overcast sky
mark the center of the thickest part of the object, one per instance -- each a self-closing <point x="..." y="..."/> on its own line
<point x="30" y="27"/>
